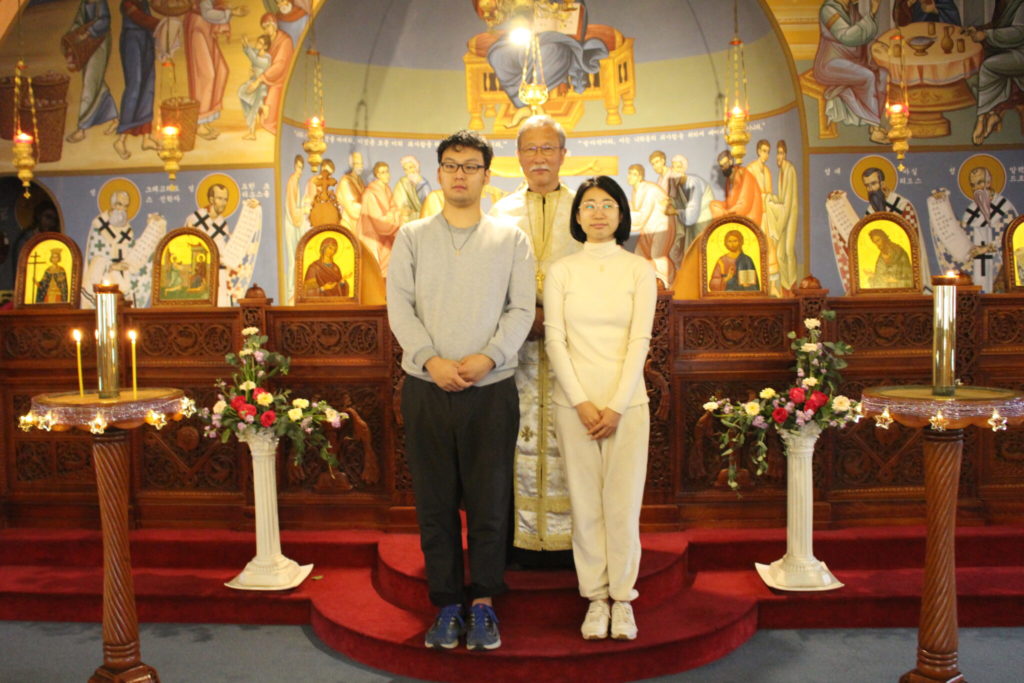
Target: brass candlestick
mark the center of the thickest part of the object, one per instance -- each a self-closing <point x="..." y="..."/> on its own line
<point x="944" y="335"/>
<point x="106" y="339"/>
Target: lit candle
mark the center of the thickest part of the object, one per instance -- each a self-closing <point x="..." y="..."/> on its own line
<point x="106" y="339"/>
<point x="77" y="334"/>
<point x="944" y="334"/>
<point x="135" y="376"/>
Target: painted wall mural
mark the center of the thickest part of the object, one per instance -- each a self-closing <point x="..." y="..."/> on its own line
<point x="639" y="88"/>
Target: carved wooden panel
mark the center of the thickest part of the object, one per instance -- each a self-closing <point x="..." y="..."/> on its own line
<point x="700" y="460"/>
<point x="402" y="476"/>
<point x="190" y="340"/>
<point x="53" y="462"/>
<point x="1005" y="327"/>
<point x="885" y="330"/>
<point x="657" y="370"/>
<point x="179" y="458"/>
<point x="968" y="334"/>
<point x="36" y="342"/>
<point x="358" y="445"/>
<point x="334" y="338"/>
<point x="1004" y="456"/>
<point x="733" y="332"/>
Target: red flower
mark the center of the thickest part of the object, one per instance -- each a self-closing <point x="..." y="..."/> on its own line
<point x="780" y="414"/>
<point x="816" y="400"/>
<point x="237" y="402"/>
<point x="267" y="418"/>
<point x="797" y="395"/>
<point x="246" y="409"/>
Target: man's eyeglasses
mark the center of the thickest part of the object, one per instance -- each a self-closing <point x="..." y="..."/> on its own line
<point x="469" y="168"/>
<point x="544" y="150"/>
<point x="607" y="207"/>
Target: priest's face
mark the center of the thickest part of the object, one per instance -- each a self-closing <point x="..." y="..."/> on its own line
<point x="540" y="156"/>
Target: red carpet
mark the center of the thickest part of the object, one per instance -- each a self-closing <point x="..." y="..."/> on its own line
<point x="700" y="597"/>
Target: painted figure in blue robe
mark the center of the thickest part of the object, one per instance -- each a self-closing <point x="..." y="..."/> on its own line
<point x="564" y="59"/>
<point x="89" y="41"/>
<point x="138" y="59"/>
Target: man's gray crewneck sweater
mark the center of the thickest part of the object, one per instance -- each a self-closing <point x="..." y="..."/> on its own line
<point x="448" y="304"/>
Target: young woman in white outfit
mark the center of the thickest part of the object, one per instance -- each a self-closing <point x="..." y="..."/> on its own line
<point x="598" y="314"/>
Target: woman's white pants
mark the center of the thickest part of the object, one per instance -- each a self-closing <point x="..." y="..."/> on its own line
<point x="606" y="487"/>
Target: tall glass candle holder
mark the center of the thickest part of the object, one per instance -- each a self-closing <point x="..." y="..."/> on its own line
<point x="944" y="335"/>
<point x="107" y="340"/>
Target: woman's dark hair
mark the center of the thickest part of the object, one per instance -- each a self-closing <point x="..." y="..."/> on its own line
<point x="470" y="140"/>
<point x="609" y="185"/>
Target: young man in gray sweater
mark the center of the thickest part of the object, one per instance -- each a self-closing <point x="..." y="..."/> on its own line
<point x="461" y="297"/>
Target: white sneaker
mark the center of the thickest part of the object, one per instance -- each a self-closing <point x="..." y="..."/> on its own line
<point x="595" y="624"/>
<point x="623" y="623"/>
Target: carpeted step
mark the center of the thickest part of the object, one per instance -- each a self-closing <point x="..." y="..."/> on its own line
<point x="855" y="548"/>
<point x="185" y="548"/>
<point x="687" y="630"/>
<point x="890" y="598"/>
<point x="546" y="594"/>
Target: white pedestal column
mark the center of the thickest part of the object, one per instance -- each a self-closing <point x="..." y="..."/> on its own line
<point x="799" y="570"/>
<point x="269" y="570"/>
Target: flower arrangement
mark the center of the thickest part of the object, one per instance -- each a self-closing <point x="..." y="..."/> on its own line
<point x="247" y="407"/>
<point x="809" y="405"/>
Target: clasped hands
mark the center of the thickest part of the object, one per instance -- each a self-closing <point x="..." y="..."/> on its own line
<point x="600" y="424"/>
<point x="456" y="375"/>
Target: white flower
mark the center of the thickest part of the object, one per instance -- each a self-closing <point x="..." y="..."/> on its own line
<point x="812" y="323"/>
<point x="809" y="382"/>
<point x="809" y="347"/>
<point x="840" y="404"/>
<point x="219" y="407"/>
<point x="247" y="385"/>
<point x="300" y="403"/>
<point x="245" y="352"/>
<point x="767" y="393"/>
<point x="711" y="405"/>
<point x="752" y="408"/>
<point x="265" y="399"/>
<point x="248" y="331"/>
<point x="295" y="414"/>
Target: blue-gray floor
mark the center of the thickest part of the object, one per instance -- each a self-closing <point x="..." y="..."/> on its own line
<point x="47" y="652"/>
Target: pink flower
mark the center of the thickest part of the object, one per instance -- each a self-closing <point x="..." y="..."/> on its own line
<point x="797" y="395"/>
<point x="267" y="418"/>
<point x="780" y="415"/>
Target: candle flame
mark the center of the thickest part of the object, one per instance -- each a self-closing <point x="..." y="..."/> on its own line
<point x="96" y="333"/>
<point x="896" y="108"/>
<point x="132" y="335"/>
<point x="737" y="110"/>
<point x="951" y="273"/>
<point x="169" y="131"/>
<point x="77" y="334"/>
<point x="106" y="282"/>
<point x="22" y="137"/>
<point x="315" y="121"/>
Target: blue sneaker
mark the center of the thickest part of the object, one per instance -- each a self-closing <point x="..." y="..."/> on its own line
<point x="446" y="629"/>
<point x="482" y="632"/>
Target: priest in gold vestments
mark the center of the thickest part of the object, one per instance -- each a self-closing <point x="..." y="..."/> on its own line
<point x="543" y="518"/>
